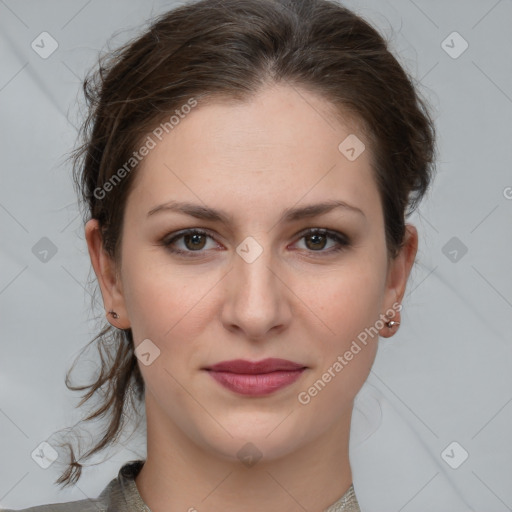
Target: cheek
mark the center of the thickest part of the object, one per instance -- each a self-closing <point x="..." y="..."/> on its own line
<point x="349" y="303"/>
<point x="161" y="301"/>
<point x="165" y="307"/>
<point x="349" y="298"/>
<point x="157" y="293"/>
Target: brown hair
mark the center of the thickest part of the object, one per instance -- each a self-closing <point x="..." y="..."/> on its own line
<point x="230" y="49"/>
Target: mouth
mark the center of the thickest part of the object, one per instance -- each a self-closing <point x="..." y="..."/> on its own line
<point x="243" y="366"/>
<point x="256" y="378"/>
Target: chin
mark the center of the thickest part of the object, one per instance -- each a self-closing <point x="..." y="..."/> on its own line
<point x="251" y="444"/>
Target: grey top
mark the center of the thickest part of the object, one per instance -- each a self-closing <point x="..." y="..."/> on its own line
<point x="122" y="495"/>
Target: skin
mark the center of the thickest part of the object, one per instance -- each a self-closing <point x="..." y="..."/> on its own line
<point x="298" y="300"/>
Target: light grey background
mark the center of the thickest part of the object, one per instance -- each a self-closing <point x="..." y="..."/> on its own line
<point x="444" y="377"/>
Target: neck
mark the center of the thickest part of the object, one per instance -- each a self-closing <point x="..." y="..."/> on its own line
<point x="180" y="473"/>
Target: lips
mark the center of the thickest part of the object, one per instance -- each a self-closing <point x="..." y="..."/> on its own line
<point x="253" y="368"/>
<point x="256" y="378"/>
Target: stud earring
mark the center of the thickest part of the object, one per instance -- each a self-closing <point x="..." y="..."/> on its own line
<point x="114" y="314"/>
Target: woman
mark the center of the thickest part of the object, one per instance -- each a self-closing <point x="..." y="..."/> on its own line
<point x="247" y="169"/>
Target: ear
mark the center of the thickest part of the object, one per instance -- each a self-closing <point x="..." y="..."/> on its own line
<point x="399" y="269"/>
<point x="109" y="281"/>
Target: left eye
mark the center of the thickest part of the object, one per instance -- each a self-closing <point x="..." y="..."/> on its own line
<point x="320" y="236"/>
<point x="194" y="240"/>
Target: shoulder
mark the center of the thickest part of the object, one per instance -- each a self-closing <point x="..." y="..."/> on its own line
<point x="120" y="494"/>
<point x="71" y="506"/>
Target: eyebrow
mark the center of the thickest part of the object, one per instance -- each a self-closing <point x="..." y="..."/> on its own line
<point x="288" y="215"/>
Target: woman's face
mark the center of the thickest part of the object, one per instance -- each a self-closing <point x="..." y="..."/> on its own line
<point x="257" y="285"/>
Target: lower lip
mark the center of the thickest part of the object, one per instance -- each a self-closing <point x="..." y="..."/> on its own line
<point x="256" y="385"/>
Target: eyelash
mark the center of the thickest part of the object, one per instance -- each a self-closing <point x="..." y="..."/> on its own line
<point x="342" y="240"/>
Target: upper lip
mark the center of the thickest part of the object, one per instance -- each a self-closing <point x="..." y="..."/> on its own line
<point x="255" y="367"/>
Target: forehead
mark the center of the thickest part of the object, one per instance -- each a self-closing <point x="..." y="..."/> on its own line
<point x="281" y="145"/>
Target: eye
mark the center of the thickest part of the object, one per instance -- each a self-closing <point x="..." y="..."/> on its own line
<point x="194" y="240"/>
<point x="316" y="240"/>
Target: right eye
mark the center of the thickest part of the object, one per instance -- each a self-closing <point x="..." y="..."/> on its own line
<point x="193" y="240"/>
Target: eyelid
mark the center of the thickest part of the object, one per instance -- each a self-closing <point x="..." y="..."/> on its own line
<point x="323" y="231"/>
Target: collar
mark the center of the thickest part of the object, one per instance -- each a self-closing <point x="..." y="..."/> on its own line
<point x="122" y="493"/>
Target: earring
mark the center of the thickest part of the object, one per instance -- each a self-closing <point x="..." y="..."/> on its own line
<point x="392" y="323"/>
<point x="114" y="314"/>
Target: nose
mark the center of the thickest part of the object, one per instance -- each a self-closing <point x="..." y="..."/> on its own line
<point x="257" y="300"/>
